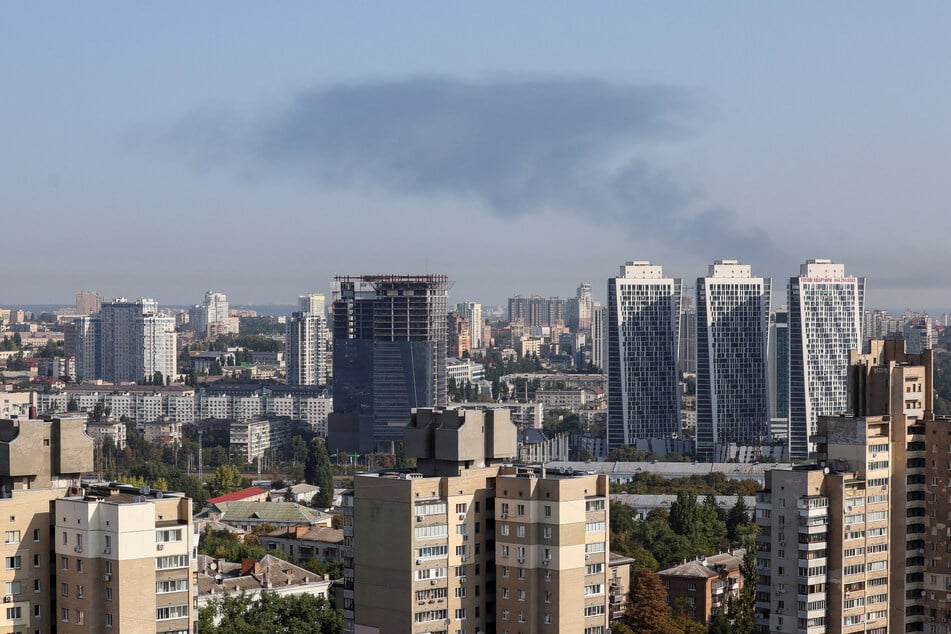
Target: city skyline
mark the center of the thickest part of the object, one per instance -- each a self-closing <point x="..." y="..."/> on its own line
<point x="647" y="133"/>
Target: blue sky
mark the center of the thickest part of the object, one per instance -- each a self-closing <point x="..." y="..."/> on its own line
<point x="165" y="149"/>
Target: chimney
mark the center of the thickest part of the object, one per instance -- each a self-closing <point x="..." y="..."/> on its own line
<point x="248" y="565"/>
<point x="32" y="412"/>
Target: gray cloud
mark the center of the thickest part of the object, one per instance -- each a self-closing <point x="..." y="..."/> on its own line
<point x="578" y="146"/>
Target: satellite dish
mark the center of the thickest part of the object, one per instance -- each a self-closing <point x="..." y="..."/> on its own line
<point x="825" y="470"/>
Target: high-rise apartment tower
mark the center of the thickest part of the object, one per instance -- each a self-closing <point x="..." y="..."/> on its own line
<point x="732" y="373"/>
<point x="825" y="325"/>
<point x="643" y="338"/>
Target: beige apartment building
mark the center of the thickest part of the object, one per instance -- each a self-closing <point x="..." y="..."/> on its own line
<point x="125" y="562"/>
<point x="40" y="461"/>
<point x="842" y="542"/>
<point x="467" y="544"/>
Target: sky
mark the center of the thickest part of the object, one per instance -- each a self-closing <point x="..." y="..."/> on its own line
<point x="165" y="149"/>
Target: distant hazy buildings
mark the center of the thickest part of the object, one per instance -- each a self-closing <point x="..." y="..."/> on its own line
<point x="599" y="341"/>
<point x="580" y="309"/>
<point x="642" y="334"/>
<point x="472" y="311"/>
<point x="825" y="324"/>
<point x="305" y="343"/>
<point x="212" y="317"/>
<point x="732" y="335"/>
<point x="87" y="302"/>
<point x="389" y="337"/>
<point x="537" y="310"/>
<point x="126" y="341"/>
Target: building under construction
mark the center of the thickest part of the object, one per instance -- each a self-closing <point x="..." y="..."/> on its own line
<point x="389" y="356"/>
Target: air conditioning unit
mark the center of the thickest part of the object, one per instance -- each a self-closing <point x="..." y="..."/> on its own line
<point x="465" y="538"/>
<point x="462" y="516"/>
<point x="107" y="577"/>
<point x="462" y="579"/>
<point x="505" y="516"/>
<point x="419" y="518"/>
<point x="545" y="562"/>
<point x="106" y="551"/>
<point x="160" y="546"/>
<point x="8" y="599"/>
<point x="465" y="558"/>
<point x="419" y="561"/>
<point x="521" y="560"/>
<point x="78" y="549"/>
<point x="433" y="582"/>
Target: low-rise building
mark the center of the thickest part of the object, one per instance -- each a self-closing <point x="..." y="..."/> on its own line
<point x="705" y="586"/>
<point x="218" y="578"/>
<point x="306" y="542"/>
<point x="248" y="515"/>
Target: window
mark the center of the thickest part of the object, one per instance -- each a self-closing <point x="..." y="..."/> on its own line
<point x="36" y="585"/>
<point x="14" y="614"/>
<point x="108" y="542"/>
<point x="171" y="612"/>
<point x="36" y="534"/>
<point x="594" y="590"/>
<point x="505" y="592"/>
<point x="172" y="535"/>
<point x="64" y="563"/>
<point x="521" y="531"/>
<point x="505" y="509"/>
<point x="36" y="561"/>
<point x="548" y="510"/>
<point x="594" y="610"/>
<point x="80" y="617"/>
<point x="429" y="532"/>
<point x="503" y="551"/>
<point x="546" y="532"/>
<point x="13" y="587"/>
<point x="174" y="585"/>
<point x="461" y="613"/>
<point x="504" y="529"/>
<point x="65" y="538"/>
<point x="108" y="620"/>
<point x="520" y="509"/>
<point x="547" y="618"/>
<point x="80" y="592"/>
<point x="594" y="505"/>
<point x="11" y="537"/>
<point x="108" y="593"/>
<point x="461" y="592"/>
<point x="521" y="616"/>
<point x="79" y="565"/>
<point x="36" y="611"/>
<point x="13" y="562"/>
<point x="594" y="527"/>
<point x="520" y="595"/>
<point x="161" y="563"/>
<point x="595" y="547"/>
<point x="64" y="614"/>
<point x="64" y="589"/>
<point x="432" y="551"/>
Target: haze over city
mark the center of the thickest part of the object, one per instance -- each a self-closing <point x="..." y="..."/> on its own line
<point x="516" y="149"/>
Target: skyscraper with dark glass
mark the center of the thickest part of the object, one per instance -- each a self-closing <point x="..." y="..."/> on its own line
<point x="732" y="374"/>
<point x="642" y="352"/>
<point x="389" y="355"/>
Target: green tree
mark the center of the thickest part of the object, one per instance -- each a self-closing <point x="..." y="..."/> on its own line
<point x="270" y="614"/>
<point x="648" y="612"/>
<point x="720" y="624"/>
<point x="685" y="514"/>
<point x="158" y="378"/>
<point x="227" y="480"/>
<point x="72" y="405"/>
<point x="317" y="471"/>
<point x="743" y="607"/>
